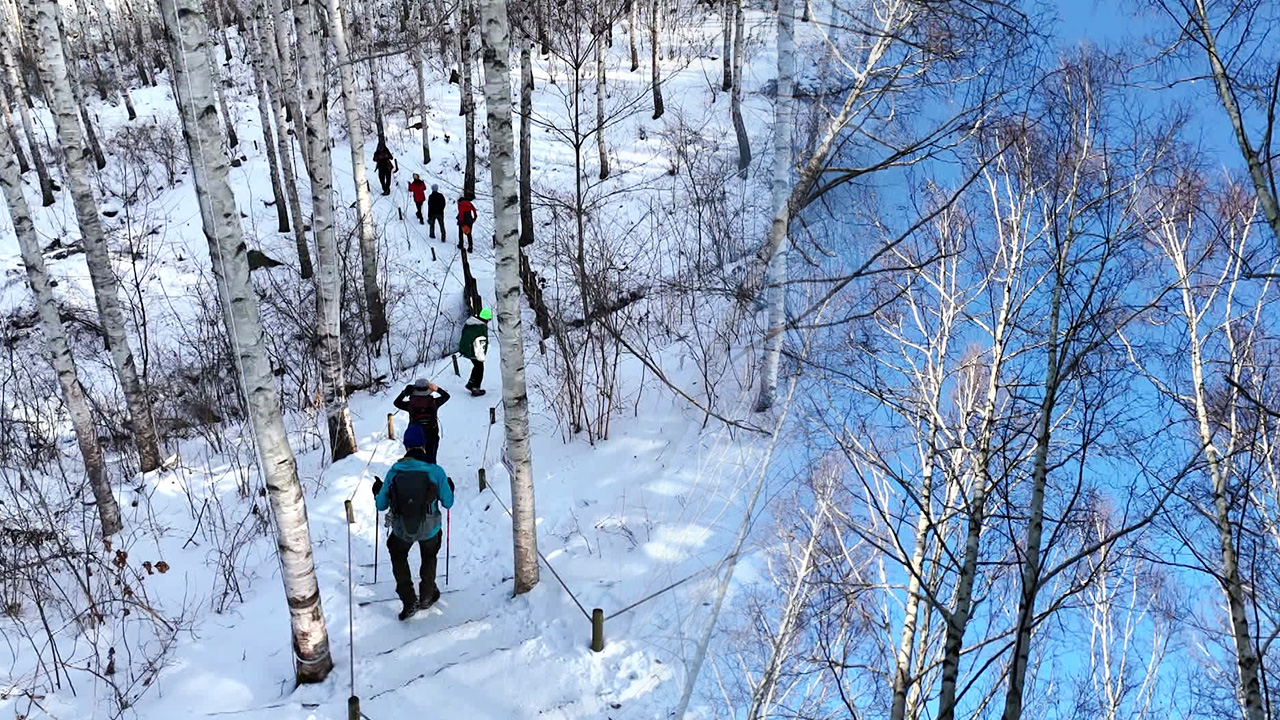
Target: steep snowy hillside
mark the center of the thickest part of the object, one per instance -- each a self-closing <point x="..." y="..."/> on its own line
<point x="648" y="516"/>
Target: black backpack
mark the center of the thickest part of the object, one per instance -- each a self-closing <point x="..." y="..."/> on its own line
<point x="422" y="409"/>
<point x="413" y="497"/>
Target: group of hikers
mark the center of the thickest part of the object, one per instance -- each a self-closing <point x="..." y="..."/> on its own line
<point x="415" y="489"/>
<point x="386" y="165"/>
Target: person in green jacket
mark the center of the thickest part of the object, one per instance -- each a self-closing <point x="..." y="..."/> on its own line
<point x="474" y="345"/>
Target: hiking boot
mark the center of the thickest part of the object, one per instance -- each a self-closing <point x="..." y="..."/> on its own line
<point x="477" y="392"/>
<point x="426" y="600"/>
<point x="407" y="611"/>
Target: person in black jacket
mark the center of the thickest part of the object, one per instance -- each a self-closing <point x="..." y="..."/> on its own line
<point x="383" y="161"/>
<point x="435" y="212"/>
<point x="422" y="400"/>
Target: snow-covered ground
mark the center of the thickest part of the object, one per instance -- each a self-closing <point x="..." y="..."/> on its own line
<point x="659" y="502"/>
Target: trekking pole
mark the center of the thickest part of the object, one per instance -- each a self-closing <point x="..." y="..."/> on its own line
<point x="448" y="537"/>
<point x="377" y="531"/>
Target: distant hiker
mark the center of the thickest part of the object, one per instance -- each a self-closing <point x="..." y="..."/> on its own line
<point x="383" y="161"/>
<point x="418" y="190"/>
<point x="474" y="346"/>
<point x="421" y="400"/>
<point x="466" y="218"/>
<point x="414" y="491"/>
<point x="435" y="212"/>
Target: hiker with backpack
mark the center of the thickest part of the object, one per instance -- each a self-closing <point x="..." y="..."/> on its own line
<point x="418" y="191"/>
<point x="413" y="492"/>
<point x="384" y="162"/>
<point x="474" y="345"/>
<point x="467" y="215"/>
<point x="422" y="400"/>
<point x="435" y="213"/>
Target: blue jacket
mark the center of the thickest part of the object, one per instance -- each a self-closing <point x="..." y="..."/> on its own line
<point x="409" y="463"/>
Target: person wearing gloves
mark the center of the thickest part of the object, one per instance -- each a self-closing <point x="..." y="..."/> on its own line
<point x="413" y="492"/>
<point x="474" y="345"/>
<point x="422" y="400"/>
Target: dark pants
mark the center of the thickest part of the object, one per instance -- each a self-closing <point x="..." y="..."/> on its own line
<point x="384" y="177"/>
<point x="419" y="204"/>
<point x="477" y="374"/>
<point x="432" y="220"/>
<point x="464" y="233"/>
<point x="433" y="441"/>
<point x="399" y="551"/>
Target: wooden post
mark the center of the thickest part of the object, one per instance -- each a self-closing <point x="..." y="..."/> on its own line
<point x="353" y="708"/>
<point x="597" y="630"/>
<point x="456" y="371"/>
<point x="400" y="212"/>
<point x="493" y="415"/>
<point x="391" y="426"/>
<point x="351" y="512"/>
<point x="433" y="254"/>
<point x="483" y="484"/>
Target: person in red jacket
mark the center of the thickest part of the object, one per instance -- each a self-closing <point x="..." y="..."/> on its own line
<point x="418" y="190"/>
<point x="466" y="218"/>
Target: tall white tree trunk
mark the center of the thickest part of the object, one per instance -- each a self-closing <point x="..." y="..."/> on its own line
<point x="415" y="56"/>
<point x="633" y="7"/>
<point x="275" y="86"/>
<point x="655" y="24"/>
<point x="364" y="207"/>
<point x="526" y="129"/>
<point x="7" y="43"/>
<point x="468" y="105"/>
<point x="270" y="148"/>
<point x="113" y="53"/>
<point x="193" y="83"/>
<point x="342" y="436"/>
<point x="90" y="133"/>
<point x="290" y="89"/>
<point x="602" y="149"/>
<point x="727" y="8"/>
<point x="780" y="188"/>
<point x="735" y="98"/>
<point x="374" y="87"/>
<point x="56" y="341"/>
<point x="233" y="138"/>
<point x="11" y="130"/>
<point x="106" y="288"/>
<point x="515" y="402"/>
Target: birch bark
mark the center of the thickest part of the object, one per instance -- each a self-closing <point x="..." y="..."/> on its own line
<point x="197" y="100"/>
<point x="515" y="401"/>
<point x="56" y="341"/>
<point x="106" y="288"/>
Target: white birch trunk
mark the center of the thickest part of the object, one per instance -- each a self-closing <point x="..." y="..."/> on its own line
<point x="113" y="52"/>
<point x="727" y="8"/>
<point x="526" y="133"/>
<point x="106" y="288"/>
<point x="11" y="130"/>
<point x="415" y="57"/>
<point x="89" y="132"/>
<point x="290" y="88"/>
<point x="7" y="38"/>
<point x="655" y="23"/>
<point x="56" y="341"/>
<point x="633" y="7"/>
<point x="601" y="80"/>
<point x="468" y="103"/>
<point x="780" y="188"/>
<point x="735" y="97"/>
<point x="271" y="64"/>
<point x="197" y="99"/>
<point x="342" y="437"/>
<point x="233" y="139"/>
<point x="364" y="207"/>
<point x="271" y="149"/>
<point x="515" y="402"/>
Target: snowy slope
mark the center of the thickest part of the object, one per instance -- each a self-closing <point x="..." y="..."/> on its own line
<point x="656" y="504"/>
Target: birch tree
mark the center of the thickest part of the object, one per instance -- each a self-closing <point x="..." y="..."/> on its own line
<point x="7" y="43"/>
<point x="780" y="185"/>
<point x="602" y="30"/>
<point x="526" y="124"/>
<point x="467" y="107"/>
<point x="10" y="129"/>
<point x="267" y="44"/>
<point x="193" y="80"/>
<point x="735" y="96"/>
<point x="515" y="401"/>
<point x="655" y="24"/>
<point x="55" y="338"/>
<point x="270" y="148"/>
<point x="106" y="288"/>
<point x="342" y="438"/>
<point x="364" y="207"/>
<point x="108" y="31"/>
